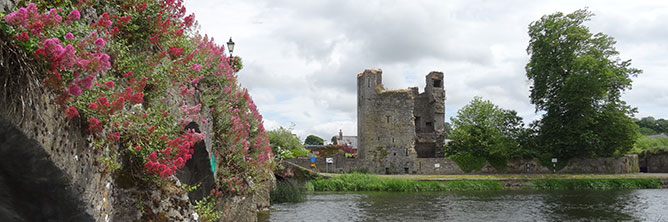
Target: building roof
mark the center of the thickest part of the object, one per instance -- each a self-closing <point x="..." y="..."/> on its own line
<point x="313" y="146"/>
<point x="349" y="140"/>
<point x="662" y="135"/>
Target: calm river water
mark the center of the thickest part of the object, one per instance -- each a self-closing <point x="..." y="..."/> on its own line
<point x="617" y="205"/>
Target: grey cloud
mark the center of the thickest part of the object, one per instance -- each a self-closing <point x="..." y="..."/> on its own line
<point x="303" y="56"/>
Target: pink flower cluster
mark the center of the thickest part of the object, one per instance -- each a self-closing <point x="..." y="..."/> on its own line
<point x="60" y="58"/>
<point x="30" y="19"/>
<point x="196" y="67"/>
<point x="165" y="162"/>
<point x="74" y="15"/>
<point x="175" y="52"/>
<point x="71" y="112"/>
<point x="94" y="125"/>
<point x="94" y="62"/>
<point x="190" y="113"/>
<point x="103" y="23"/>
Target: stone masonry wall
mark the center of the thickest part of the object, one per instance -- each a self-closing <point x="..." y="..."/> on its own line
<point x="657" y="163"/>
<point x="29" y="107"/>
<point x="34" y="113"/>
<point x="395" y="127"/>
<point x="385" y="126"/>
<point x="446" y="166"/>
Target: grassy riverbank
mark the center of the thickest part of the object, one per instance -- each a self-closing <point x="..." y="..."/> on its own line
<point x="370" y="182"/>
<point x="596" y="184"/>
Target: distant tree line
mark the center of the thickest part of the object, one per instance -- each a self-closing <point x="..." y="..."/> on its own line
<point x="651" y="126"/>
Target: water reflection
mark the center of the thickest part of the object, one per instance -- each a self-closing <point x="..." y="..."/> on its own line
<point x="624" y="205"/>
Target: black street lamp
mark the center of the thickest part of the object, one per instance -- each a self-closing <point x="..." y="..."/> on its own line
<point x="230" y="47"/>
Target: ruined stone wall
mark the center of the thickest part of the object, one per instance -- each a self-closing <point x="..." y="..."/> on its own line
<point x="446" y="166"/>
<point x="430" y="117"/>
<point x="395" y="127"/>
<point x="654" y="163"/>
<point x="341" y="164"/>
<point x="606" y="165"/>
<point x="386" y="128"/>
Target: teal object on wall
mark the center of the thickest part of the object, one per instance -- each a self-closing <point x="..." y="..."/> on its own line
<point x="213" y="164"/>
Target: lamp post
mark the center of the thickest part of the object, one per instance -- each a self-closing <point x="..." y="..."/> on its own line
<point x="230" y="47"/>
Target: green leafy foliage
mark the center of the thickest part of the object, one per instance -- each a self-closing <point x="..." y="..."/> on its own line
<point x="468" y="162"/>
<point x="651" y="126"/>
<point x="577" y="79"/>
<point x="646" y="145"/>
<point x="646" y="131"/>
<point x="284" y="144"/>
<point x="206" y="209"/>
<point x="483" y="130"/>
<point x="313" y="140"/>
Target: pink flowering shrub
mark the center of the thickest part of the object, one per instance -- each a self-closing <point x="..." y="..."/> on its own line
<point x="118" y="80"/>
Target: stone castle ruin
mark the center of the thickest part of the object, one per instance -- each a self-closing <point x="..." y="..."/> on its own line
<point x="401" y="131"/>
<point x="395" y="127"/>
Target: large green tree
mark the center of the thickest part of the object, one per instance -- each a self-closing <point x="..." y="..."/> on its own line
<point x="577" y="79"/>
<point x="484" y="130"/>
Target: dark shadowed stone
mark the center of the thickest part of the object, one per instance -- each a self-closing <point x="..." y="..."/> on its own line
<point x="197" y="170"/>
<point x="32" y="188"/>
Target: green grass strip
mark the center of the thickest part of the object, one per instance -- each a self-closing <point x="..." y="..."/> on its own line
<point x="370" y="182"/>
<point x="596" y="184"/>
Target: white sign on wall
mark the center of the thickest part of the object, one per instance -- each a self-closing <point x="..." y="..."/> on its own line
<point x="329" y="160"/>
<point x="437" y="165"/>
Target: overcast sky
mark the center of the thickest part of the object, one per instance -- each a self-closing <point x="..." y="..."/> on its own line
<point x="301" y="58"/>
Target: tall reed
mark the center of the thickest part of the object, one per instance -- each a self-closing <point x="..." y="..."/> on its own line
<point x="288" y="191"/>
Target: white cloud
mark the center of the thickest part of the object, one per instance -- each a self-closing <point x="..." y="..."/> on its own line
<point x="301" y="58"/>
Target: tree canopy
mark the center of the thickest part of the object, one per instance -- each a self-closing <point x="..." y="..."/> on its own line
<point x="314" y="140"/>
<point x="650" y="126"/>
<point x="577" y="79"/>
<point x="284" y="144"/>
<point x="482" y="129"/>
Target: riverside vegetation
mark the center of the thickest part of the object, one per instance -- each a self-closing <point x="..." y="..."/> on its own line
<point x="369" y="182"/>
<point x="291" y="190"/>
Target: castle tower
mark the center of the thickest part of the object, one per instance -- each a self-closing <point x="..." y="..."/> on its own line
<point x="395" y="127"/>
<point x="436" y="95"/>
<point x="367" y="82"/>
<point x="430" y="117"/>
